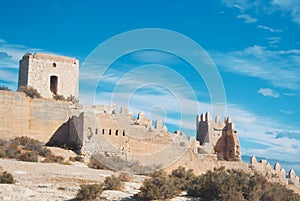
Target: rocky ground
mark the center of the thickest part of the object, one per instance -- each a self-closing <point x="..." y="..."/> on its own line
<point x="51" y="181"/>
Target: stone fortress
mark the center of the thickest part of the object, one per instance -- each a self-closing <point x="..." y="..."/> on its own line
<point x="104" y="129"/>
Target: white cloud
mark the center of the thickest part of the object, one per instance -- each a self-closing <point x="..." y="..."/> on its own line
<point x="290" y="6"/>
<point x="274" y="66"/>
<point x="268" y="92"/>
<point x="289" y="94"/>
<point x="286" y="111"/>
<point x="10" y="54"/>
<point x="269" y="28"/>
<point x="247" y="18"/>
<point x="273" y="40"/>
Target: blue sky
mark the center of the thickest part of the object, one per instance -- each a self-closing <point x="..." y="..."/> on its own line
<point x="255" y="46"/>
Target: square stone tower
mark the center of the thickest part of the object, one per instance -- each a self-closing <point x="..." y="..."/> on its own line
<point x="49" y="74"/>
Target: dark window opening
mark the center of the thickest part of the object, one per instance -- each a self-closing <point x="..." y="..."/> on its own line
<point x="54" y="64"/>
<point x="103" y="131"/>
<point x="96" y="131"/>
<point x="116" y="132"/>
<point x="109" y="131"/>
<point x="53" y="84"/>
<point x="123" y="132"/>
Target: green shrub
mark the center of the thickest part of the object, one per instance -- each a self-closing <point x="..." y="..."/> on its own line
<point x="181" y="177"/>
<point x="4" y="88"/>
<point x="6" y="178"/>
<point x="159" y="186"/>
<point x="29" y="156"/>
<point x="89" y="191"/>
<point x="30" y="91"/>
<point x="113" y="183"/>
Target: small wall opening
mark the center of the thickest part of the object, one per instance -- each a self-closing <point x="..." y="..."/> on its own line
<point x="116" y="132"/>
<point x="54" y="65"/>
<point x="123" y="132"/>
<point x="53" y="84"/>
<point x="109" y="131"/>
<point x="103" y="131"/>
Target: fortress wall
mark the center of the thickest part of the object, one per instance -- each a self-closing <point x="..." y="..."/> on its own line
<point x="36" y="118"/>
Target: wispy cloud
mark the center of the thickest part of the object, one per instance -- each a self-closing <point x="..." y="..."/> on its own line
<point x="286" y="7"/>
<point x="289" y="94"/>
<point x="289" y="6"/>
<point x="247" y="18"/>
<point x="258" y="61"/>
<point x="268" y="28"/>
<point x="286" y="111"/>
<point x="268" y="92"/>
<point x="10" y="54"/>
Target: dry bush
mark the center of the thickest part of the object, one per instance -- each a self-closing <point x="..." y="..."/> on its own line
<point x="28" y="156"/>
<point x="158" y="187"/>
<point x="6" y="178"/>
<point x="125" y="177"/>
<point x="30" y="91"/>
<point x="95" y="163"/>
<point x="5" y="88"/>
<point x="113" y="183"/>
<point x="89" y="191"/>
<point x="53" y="159"/>
<point x="59" y="97"/>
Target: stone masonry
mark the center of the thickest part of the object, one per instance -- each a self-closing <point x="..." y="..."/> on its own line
<point x="218" y="137"/>
<point x="49" y="74"/>
<point x="105" y="129"/>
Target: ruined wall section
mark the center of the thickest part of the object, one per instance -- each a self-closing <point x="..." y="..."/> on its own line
<point x="49" y="73"/>
<point x="36" y="118"/>
<point x="217" y="137"/>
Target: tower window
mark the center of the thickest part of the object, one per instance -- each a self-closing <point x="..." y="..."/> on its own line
<point x="54" y="64"/>
<point x="53" y="84"/>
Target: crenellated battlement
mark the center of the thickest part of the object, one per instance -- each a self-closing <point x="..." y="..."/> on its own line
<point x="274" y="174"/>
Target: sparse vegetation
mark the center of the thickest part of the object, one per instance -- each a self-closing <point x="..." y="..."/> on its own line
<point x="5" y="88"/>
<point x="6" y="178"/>
<point x="30" y="91"/>
<point x="72" y="99"/>
<point x="76" y="158"/>
<point x="59" y="97"/>
<point x="28" y="156"/>
<point x="217" y="185"/>
<point x="54" y="159"/>
<point x="95" y="163"/>
<point x="237" y="185"/>
<point x="159" y="186"/>
<point x="27" y="149"/>
<point x="89" y="191"/>
<point x="125" y="177"/>
<point x="113" y="183"/>
<point x="115" y="163"/>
